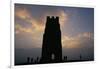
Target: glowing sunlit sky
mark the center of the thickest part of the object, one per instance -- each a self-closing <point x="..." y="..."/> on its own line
<point x="77" y="25"/>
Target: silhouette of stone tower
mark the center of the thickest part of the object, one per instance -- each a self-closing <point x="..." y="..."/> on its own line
<point x="52" y="47"/>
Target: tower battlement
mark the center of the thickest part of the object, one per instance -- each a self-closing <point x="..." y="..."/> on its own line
<point x="52" y="18"/>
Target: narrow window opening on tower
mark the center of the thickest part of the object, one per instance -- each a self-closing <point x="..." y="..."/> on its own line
<point x="52" y="56"/>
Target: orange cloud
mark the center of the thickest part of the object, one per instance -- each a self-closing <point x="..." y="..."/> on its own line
<point x="76" y="41"/>
<point x="22" y="13"/>
<point x="88" y="35"/>
<point x="63" y="17"/>
<point x="70" y="42"/>
<point x="35" y="35"/>
<point x="19" y="29"/>
<point x="36" y="28"/>
<point x="25" y="15"/>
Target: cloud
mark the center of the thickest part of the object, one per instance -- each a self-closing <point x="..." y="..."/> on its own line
<point x="63" y="17"/>
<point x="70" y="42"/>
<point x="87" y="35"/>
<point x="22" y="13"/>
<point x="25" y="15"/>
<point x="29" y="36"/>
<point x="20" y="29"/>
<point x="77" y="41"/>
<point x="35" y="30"/>
<point x="37" y="26"/>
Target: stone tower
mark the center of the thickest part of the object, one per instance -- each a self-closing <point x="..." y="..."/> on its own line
<point x="52" y="47"/>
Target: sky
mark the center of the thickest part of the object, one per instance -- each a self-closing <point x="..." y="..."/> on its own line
<point x="76" y="24"/>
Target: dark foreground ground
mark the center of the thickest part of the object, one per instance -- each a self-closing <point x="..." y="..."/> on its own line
<point x="67" y="61"/>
